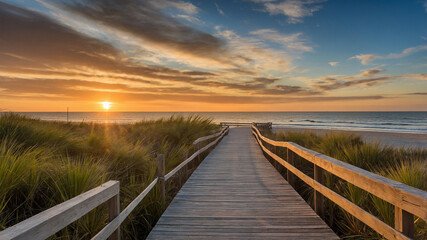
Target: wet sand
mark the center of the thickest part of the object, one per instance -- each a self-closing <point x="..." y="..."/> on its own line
<point x="387" y="138"/>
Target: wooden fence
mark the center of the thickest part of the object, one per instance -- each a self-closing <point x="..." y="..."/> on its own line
<point x="408" y="201"/>
<point x="48" y="222"/>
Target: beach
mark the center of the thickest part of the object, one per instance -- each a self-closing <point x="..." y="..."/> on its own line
<point x="386" y="138"/>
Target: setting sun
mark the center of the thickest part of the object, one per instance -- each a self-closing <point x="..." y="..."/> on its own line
<point x="106" y="105"/>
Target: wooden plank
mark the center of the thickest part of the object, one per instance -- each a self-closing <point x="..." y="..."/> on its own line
<point x="161" y="178"/>
<point x="347" y="205"/>
<point x="318" y="198"/>
<point x="201" y="139"/>
<point x="403" y="196"/>
<point x="194" y="155"/>
<point x="235" y="193"/>
<point x="116" y="222"/>
<point x="113" y="212"/>
<point x="48" y="222"/>
<point x="404" y="222"/>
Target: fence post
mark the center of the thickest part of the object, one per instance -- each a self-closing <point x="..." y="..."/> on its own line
<point x="161" y="177"/>
<point x="318" y="197"/>
<point x="275" y="162"/>
<point x="198" y="148"/>
<point x="113" y="212"/>
<point x="290" y="159"/>
<point x="404" y="222"/>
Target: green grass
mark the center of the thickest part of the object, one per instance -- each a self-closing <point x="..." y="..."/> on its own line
<point x="406" y="165"/>
<point x="43" y="163"/>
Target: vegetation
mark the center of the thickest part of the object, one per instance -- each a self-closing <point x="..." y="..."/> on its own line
<point x="45" y="163"/>
<point x="406" y="165"/>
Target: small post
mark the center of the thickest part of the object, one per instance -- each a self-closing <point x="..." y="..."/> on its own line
<point x="199" y="158"/>
<point x="318" y="197"/>
<point x="67" y="114"/>
<point x="404" y="222"/>
<point x="290" y="159"/>
<point x="161" y="177"/>
<point x="113" y="212"/>
<point x="275" y="152"/>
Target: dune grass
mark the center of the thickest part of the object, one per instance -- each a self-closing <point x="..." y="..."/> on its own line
<point x="44" y="163"/>
<point x="406" y="165"/>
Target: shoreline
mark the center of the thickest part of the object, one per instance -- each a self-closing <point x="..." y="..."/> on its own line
<point x="394" y="139"/>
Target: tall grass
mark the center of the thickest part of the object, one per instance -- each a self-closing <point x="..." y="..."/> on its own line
<point x="406" y="165"/>
<point x="45" y="163"/>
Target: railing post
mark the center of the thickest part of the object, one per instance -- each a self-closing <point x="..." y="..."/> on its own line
<point x="113" y="212"/>
<point x="198" y="148"/>
<point x="404" y="222"/>
<point x="289" y="176"/>
<point x="318" y="197"/>
<point x="161" y="177"/>
<point x="275" y="162"/>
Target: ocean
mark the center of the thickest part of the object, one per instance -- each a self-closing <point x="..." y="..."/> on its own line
<point x="404" y="122"/>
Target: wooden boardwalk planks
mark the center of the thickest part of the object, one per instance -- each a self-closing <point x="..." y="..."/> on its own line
<point x="235" y="193"/>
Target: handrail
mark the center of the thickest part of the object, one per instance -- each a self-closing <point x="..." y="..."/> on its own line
<point x="202" y="139"/>
<point x="194" y="155"/>
<point x="406" y="199"/>
<point x="116" y="222"/>
<point x="50" y="221"/>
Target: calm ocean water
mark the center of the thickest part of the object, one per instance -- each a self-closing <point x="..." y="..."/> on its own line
<point x="407" y="122"/>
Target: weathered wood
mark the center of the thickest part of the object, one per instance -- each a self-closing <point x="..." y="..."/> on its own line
<point x="404" y="222"/>
<point x="48" y="222"/>
<point x="406" y="197"/>
<point x="235" y="193"/>
<point x="353" y="209"/>
<point x="202" y="139"/>
<point x="289" y="176"/>
<point x="161" y="178"/>
<point x="194" y="155"/>
<point x="116" y="222"/>
<point x="318" y="198"/>
<point x="113" y="212"/>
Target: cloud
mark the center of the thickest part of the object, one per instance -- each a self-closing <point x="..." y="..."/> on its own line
<point x="144" y="21"/>
<point x="367" y="78"/>
<point x="186" y="7"/>
<point x="189" y="19"/>
<point x="291" y="41"/>
<point x="407" y="52"/>
<point x="333" y="64"/>
<point x="417" y="93"/>
<point x="295" y="10"/>
<point x="365" y="59"/>
<point x="219" y="10"/>
<point x="85" y="91"/>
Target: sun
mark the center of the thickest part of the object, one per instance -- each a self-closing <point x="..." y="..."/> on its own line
<point x="106" y="105"/>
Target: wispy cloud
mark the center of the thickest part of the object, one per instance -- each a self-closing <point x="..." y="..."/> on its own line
<point x="189" y="18"/>
<point x="333" y="64"/>
<point x="186" y="7"/>
<point x="291" y="41"/>
<point x="366" y="59"/>
<point x="295" y="10"/>
<point x="220" y="11"/>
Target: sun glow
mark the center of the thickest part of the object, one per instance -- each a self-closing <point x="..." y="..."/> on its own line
<point x="106" y="105"/>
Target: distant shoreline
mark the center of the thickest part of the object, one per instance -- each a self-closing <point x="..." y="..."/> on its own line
<point x="387" y="138"/>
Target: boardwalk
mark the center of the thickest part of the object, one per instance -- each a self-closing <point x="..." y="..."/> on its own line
<point x="235" y="193"/>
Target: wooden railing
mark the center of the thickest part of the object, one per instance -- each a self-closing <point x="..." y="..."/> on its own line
<point x="408" y="201"/>
<point x="258" y="124"/>
<point x="48" y="222"/>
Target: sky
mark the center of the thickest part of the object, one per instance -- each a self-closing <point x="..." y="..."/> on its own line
<point x="212" y="55"/>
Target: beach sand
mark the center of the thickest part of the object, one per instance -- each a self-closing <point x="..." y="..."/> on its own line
<point x="387" y="138"/>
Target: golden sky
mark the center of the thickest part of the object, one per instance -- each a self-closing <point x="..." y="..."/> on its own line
<point x="170" y="55"/>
